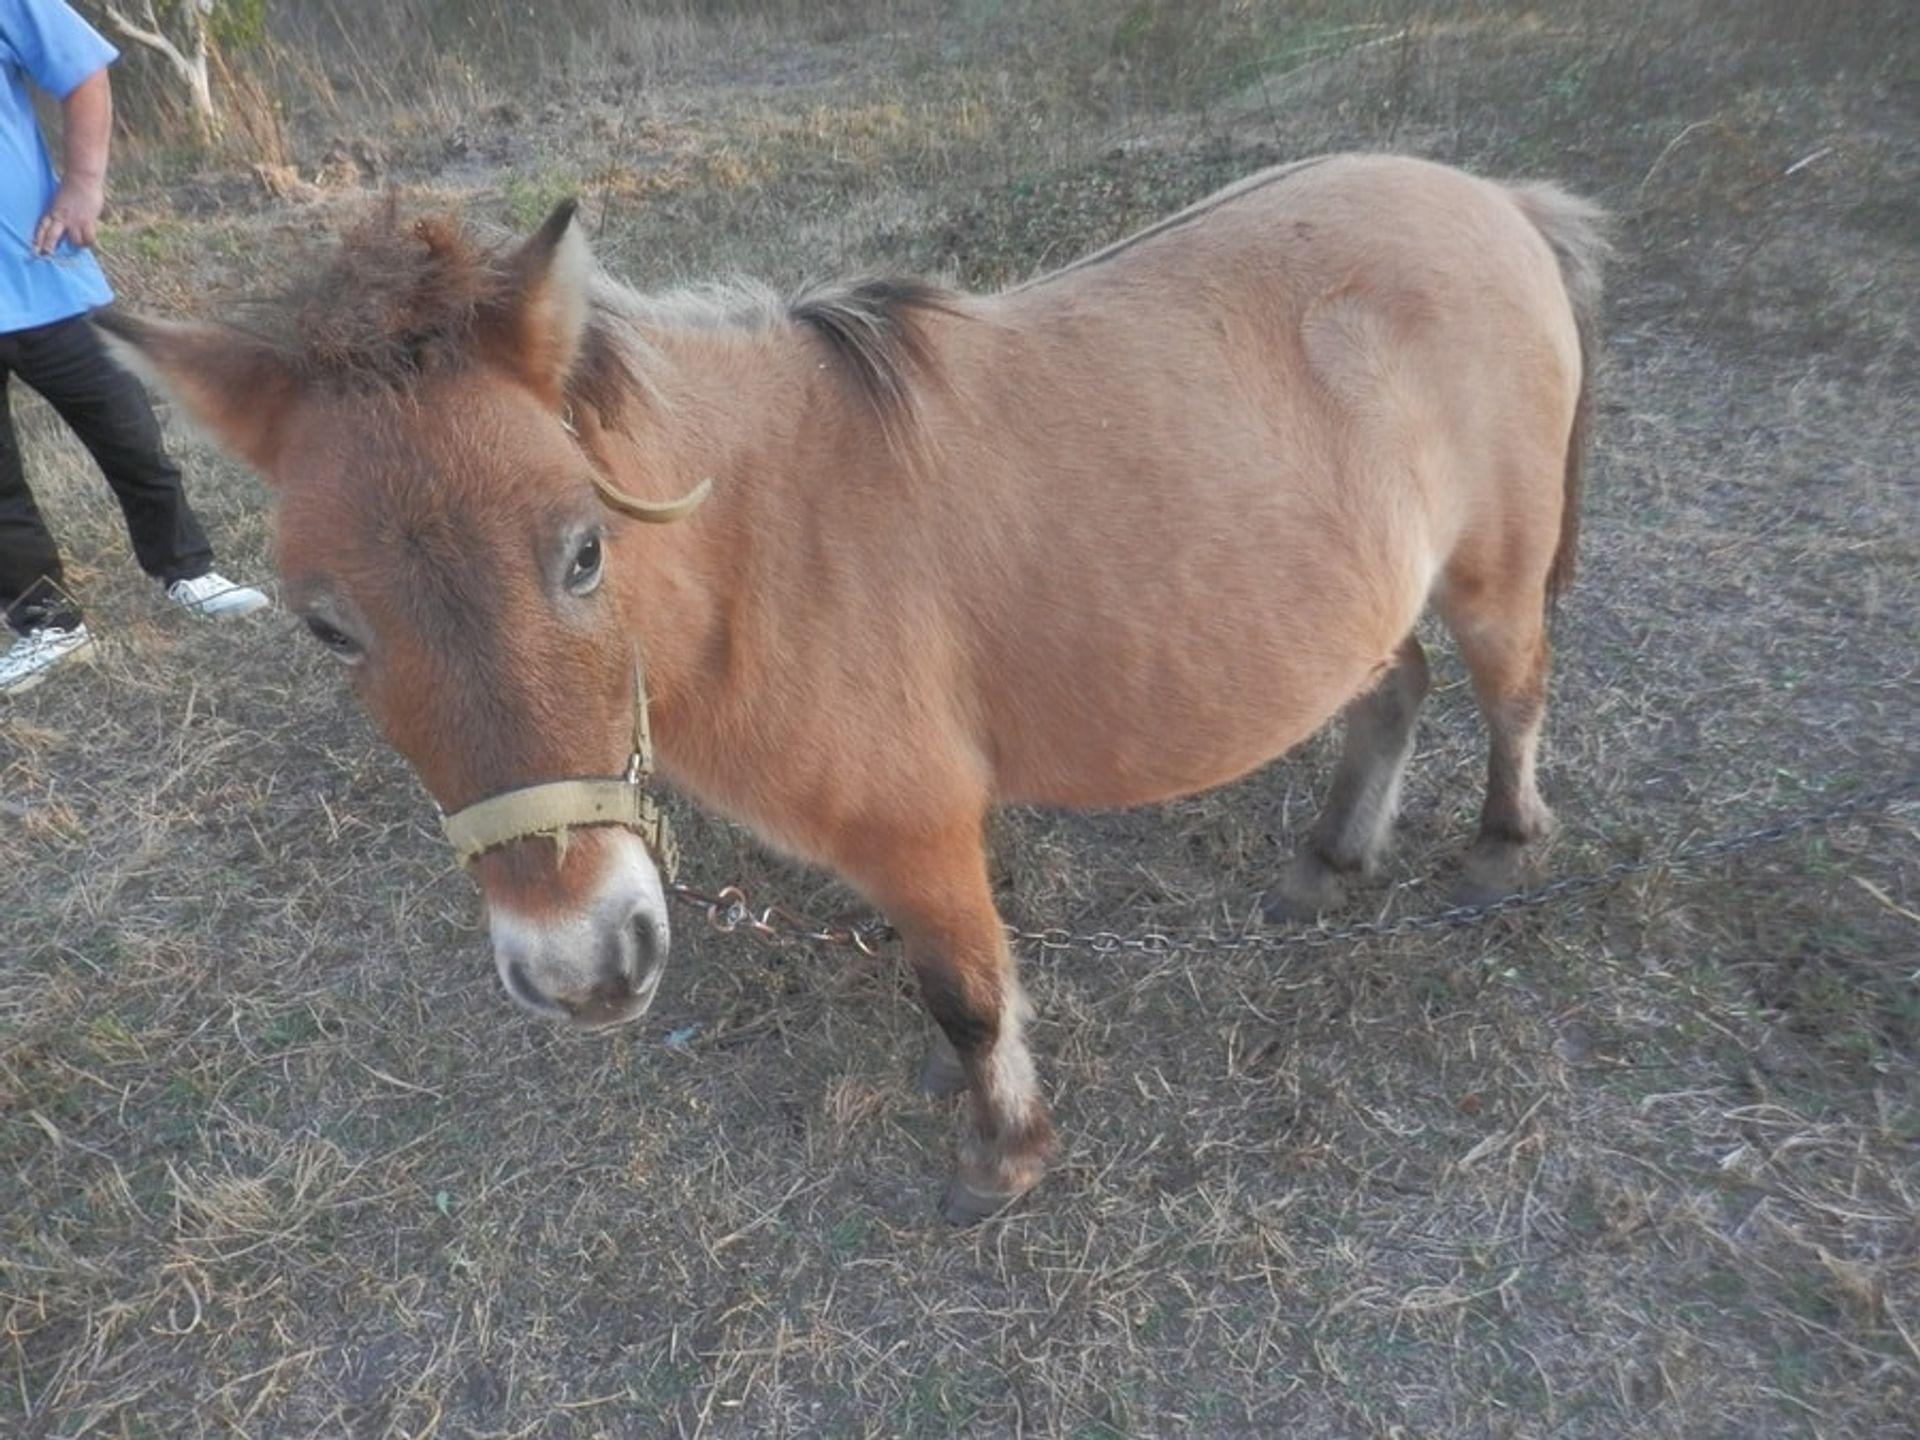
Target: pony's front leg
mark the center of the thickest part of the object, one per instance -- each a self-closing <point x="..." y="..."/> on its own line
<point x="939" y="899"/>
<point x="975" y="998"/>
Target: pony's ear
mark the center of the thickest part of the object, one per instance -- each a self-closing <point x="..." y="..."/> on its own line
<point x="544" y="316"/>
<point x="234" y="386"/>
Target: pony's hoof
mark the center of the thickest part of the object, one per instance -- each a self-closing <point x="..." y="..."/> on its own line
<point x="1492" y="872"/>
<point x="1307" y="890"/>
<point x="967" y="1205"/>
<point x="941" y="1074"/>
<point x="1280" y="908"/>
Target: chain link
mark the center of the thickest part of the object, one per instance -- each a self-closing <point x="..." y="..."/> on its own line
<point x="728" y="911"/>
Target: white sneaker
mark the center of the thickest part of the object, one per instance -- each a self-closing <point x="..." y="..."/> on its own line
<point x="214" y="594"/>
<point x="29" y="659"/>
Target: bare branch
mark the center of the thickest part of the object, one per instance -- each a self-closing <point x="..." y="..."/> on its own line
<point x="189" y="64"/>
<point x="153" y="39"/>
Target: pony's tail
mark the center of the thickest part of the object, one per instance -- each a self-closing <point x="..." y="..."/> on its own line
<point x="1576" y="230"/>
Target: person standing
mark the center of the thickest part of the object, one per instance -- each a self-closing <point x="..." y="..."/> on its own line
<point x="49" y="282"/>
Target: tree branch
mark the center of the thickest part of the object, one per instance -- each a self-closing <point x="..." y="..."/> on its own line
<point x="152" y="39"/>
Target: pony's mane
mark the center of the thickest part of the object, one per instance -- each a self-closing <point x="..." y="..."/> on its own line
<point x="400" y="299"/>
<point x="874" y="325"/>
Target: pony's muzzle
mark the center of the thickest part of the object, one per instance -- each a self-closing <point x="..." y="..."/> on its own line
<point x="621" y="987"/>
<point x="594" y="966"/>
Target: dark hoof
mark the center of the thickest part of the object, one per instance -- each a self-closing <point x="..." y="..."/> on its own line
<point x="1279" y="908"/>
<point x="965" y="1205"/>
<point x="1491" y="873"/>
<point x="940" y="1073"/>
<point x="1308" y="889"/>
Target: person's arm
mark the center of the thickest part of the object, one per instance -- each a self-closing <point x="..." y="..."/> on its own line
<point x="87" y="121"/>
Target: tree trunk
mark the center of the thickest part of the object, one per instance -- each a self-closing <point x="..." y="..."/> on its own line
<point x="189" y="61"/>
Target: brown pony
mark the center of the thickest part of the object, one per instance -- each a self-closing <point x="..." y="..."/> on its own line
<point x="1119" y="534"/>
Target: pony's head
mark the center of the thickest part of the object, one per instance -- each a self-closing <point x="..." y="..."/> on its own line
<point x="446" y="536"/>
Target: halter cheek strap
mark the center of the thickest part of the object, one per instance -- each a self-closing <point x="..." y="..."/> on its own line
<point x="556" y="807"/>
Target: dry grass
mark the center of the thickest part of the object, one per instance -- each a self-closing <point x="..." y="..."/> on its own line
<point x="277" y="1158"/>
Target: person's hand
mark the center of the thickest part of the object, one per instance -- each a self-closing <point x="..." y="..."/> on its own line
<point x="74" y="215"/>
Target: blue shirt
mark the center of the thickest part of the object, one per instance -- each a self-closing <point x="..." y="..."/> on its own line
<point x="45" y="42"/>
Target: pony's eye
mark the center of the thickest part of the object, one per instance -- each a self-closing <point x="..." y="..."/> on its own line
<point x="583" y="576"/>
<point x="337" y="641"/>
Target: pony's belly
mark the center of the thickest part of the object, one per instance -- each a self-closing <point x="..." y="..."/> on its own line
<point x="1117" y="714"/>
<point x="1153" y="756"/>
<point x="1120" y="786"/>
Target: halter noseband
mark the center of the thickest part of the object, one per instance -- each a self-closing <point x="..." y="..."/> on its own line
<point x="556" y="807"/>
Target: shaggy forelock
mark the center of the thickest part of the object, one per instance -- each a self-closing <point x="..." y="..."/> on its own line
<point x="397" y="300"/>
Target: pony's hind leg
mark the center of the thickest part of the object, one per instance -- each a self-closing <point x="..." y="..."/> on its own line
<point x="1506" y="653"/>
<point x="1354" y="826"/>
<point x="937" y="895"/>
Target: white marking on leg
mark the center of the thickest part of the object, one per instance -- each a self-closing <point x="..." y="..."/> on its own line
<point x="1535" y="818"/>
<point x="1369" y="824"/>
<point x="1012" y="1087"/>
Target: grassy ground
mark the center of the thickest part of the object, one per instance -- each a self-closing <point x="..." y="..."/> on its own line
<point x="277" y="1158"/>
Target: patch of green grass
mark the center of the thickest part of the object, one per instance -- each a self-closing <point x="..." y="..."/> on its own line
<point x="846" y="1239"/>
<point x="286" y="1029"/>
<point x="943" y="1402"/>
<point x="527" y="200"/>
<point x="1791" y="1368"/>
<point x="156" y="242"/>
<point x="1724" y="1285"/>
<point x="661" y="1386"/>
<point x="1894" y="215"/>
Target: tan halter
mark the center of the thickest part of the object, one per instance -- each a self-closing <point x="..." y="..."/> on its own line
<point x="557" y="807"/>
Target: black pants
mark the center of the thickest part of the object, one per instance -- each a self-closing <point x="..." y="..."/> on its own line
<point x="108" y="409"/>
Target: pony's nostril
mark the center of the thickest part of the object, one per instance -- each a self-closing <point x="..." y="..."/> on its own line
<point x="646" y="948"/>
<point x="632" y="951"/>
<point x="521" y="989"/>
<point x="616" y="959"/>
